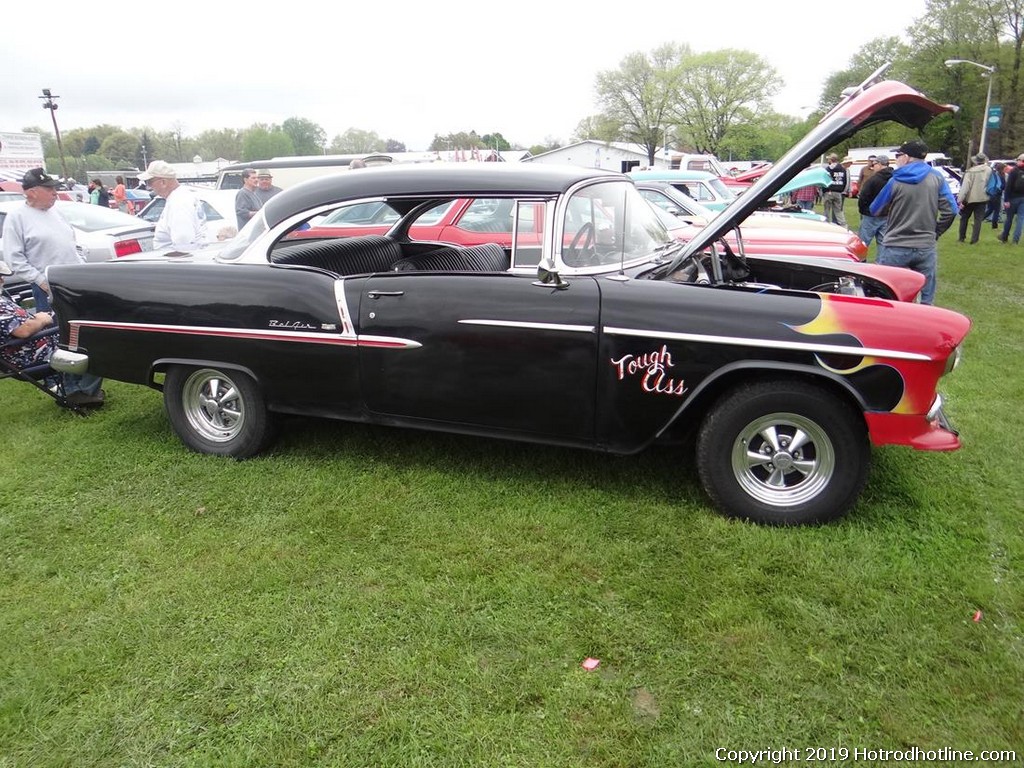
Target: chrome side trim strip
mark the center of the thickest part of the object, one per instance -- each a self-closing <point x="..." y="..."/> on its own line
<point x="532" y="326"/>
<point x="801" y="346"/>
<point x="302" y="337"/>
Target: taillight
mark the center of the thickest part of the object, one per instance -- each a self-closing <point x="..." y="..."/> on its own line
<point x="126" y="248"/>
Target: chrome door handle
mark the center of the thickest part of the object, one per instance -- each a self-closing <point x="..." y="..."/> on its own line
<point x="378" y="294"/>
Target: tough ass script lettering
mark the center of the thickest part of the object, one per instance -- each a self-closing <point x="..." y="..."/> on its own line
<point x="652" y="368"/>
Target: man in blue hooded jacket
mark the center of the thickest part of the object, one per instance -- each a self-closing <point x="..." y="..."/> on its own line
<point x="920" y="207"/>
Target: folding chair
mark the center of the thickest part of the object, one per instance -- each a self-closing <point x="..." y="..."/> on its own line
<point x="37" y="374"/>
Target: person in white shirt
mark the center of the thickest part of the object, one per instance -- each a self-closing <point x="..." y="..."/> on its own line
<point x="182" y="223"/>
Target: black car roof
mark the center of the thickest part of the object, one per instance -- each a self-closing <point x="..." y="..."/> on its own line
<point x="429" y="180"/>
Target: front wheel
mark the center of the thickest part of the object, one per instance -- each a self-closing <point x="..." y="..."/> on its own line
<point x="218" y="412"/>
<point x="783" y="453"/>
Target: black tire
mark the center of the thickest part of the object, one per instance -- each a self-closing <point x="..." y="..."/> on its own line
<point x="217" y="411"/>
<point x="749" y="477"/>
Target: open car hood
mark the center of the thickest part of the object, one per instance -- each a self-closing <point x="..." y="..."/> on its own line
<point x="873" y="101"/>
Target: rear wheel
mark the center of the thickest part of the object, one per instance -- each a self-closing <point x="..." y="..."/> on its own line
<point x="218" y="412"/>
<point x="783" y="453"/>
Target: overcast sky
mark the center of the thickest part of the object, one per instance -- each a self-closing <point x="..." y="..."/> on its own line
<point x="407" y="71"/>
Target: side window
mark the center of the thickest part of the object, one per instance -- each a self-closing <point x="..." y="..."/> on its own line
<point x="488" y="215"/>
<point x="154" y="209"/>
<point x="361" y="214"/>
<point x="210" y="211"/>
<point x="529" y="233"/>
<point x="432" y="215"/>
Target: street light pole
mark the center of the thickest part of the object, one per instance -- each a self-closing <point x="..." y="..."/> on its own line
<point x="988" y="96"/>
<point x="50" y="105"/>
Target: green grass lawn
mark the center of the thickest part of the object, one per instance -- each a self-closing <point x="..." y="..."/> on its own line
<point x="373" y="597"/>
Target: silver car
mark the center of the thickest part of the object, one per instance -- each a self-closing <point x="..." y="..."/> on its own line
<point x="101" y="233"/>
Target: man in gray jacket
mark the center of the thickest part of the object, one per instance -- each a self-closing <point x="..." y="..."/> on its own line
<point x="919" y="207"/>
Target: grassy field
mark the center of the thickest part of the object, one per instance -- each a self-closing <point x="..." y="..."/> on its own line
<point x="371" y="597"/>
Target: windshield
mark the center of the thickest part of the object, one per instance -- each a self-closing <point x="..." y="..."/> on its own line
<point x="236" y="246"/>
<point x="93" y="218"/>
<point x="610" y="223"/>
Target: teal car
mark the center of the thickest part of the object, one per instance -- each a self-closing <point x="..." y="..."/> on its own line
<point x="713" y="193"/>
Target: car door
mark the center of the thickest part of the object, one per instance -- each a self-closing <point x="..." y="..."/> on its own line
<point x="481" y="351"/>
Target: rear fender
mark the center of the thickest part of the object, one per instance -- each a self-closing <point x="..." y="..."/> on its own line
<point x="161" y="365"/>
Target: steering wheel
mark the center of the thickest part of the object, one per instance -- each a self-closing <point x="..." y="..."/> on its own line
<point x="581" y="243"/>
<point x="692" y="270"/>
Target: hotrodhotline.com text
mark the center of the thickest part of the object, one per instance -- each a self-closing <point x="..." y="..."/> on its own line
<point x="833" y="755"/>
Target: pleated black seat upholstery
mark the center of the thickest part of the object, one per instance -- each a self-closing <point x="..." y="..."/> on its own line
<point x="344" y="256"/>
<point x="489" y="257"/>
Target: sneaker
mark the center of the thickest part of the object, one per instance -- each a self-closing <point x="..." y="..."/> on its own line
<point x="86" y="400"/>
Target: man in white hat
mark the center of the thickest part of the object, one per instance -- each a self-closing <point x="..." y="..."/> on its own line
<point x="182" y="223"/>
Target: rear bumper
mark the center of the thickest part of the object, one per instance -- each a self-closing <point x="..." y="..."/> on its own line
<point x="930" y="432"/>
<point x="69" y="362"/>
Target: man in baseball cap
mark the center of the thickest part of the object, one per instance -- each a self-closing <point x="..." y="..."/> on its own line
<point x="37" y="236"/>
<point x="920" y="207"/>
<point x="158" y="169"/>
<point x="182" y="223"/>
<point x="37" y="178"/>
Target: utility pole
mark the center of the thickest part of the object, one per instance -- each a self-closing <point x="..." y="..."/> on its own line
<point x="49" y="104"/>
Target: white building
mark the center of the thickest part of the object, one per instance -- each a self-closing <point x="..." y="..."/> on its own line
<point x="608" y="155"/>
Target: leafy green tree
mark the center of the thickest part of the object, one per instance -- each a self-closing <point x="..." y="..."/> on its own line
<point x="988" y="33"/>
<point x="263" y="142"/>
<point x="763" y="136"/>
<point x="120" y="149"/>
<point x="356" y="141"/>
<point x="99" y="163"/>
<point x="392" y="145"/>
<point x="495" y="141"/>
<point x="458" y="140"/>
<point x="224" y="142"/>
<point x="863" y="64"/>
<point x="598" y="128"/>
<point x="307" y="137"/>
<point x="640" y="97"/>
<point x="718" y="90"/>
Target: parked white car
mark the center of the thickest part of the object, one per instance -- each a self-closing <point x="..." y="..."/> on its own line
<point x="101" y="233"/>
<point x="218" y="205"/>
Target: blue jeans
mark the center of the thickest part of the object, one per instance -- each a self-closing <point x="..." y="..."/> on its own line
<point x="85" y="382"/>
<point x="921" y="260"/>
<point x="995" y="209"/>
<point x="1014" y="209"/>
<point x="41" y="298"/>
<point x="873" y="227"/>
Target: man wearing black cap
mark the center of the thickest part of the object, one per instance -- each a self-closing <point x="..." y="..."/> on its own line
<point x="36" y="236"/>
<point x="919" y="207"/>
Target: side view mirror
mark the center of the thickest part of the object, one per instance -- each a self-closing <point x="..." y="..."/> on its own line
<point x="547" y="275"/>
